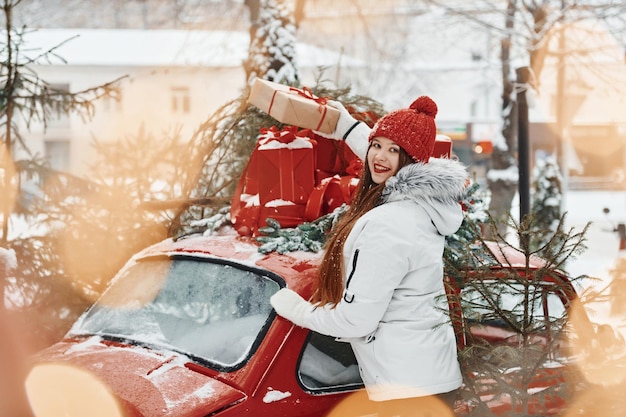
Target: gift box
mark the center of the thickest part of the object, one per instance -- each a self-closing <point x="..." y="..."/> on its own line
<point x="443" y="147"/>
<point x="330" y="194"/>
<point x="293" y="106"/>
<point x="285" y="165"/>
<point x="333" y="156"/>
<point x="286" y="213"/>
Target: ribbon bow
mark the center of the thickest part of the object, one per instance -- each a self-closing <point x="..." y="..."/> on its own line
<point x="307" y="93"/>
<point x="286" y="135"/>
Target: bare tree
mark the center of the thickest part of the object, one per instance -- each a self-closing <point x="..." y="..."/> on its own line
<point x="525" y="29"/>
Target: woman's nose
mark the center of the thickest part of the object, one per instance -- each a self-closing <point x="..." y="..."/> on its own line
<point x="380" y="156"/>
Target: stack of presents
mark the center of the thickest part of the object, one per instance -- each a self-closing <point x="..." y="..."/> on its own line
<point x="295" y="175"/>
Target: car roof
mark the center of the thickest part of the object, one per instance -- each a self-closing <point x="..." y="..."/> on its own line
<point x="296" y="268"/>
<point x="507" y="255"/>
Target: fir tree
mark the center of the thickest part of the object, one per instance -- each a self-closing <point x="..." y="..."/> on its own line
<point x="307" y="236"/>
<point x="522" y="301"/>
<point x="547" y="200"/>
<point x="35" y="291"/>
<point x="272" y="52"/>
<point x="38" y="283"/>
<point x="474" y="219"/>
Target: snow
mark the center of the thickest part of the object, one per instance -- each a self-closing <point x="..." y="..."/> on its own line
<point x="297" y="143"/>
<point x="274" y="395"/>
<point x="279" y="203"/>
<point x="8" y="259"/>
<point x="84" y="345"/>
<point x="510" y="175"/>
<point x="602" y="253"/>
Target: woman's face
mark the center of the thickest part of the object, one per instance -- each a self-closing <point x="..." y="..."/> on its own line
<point x="383" y="159"/>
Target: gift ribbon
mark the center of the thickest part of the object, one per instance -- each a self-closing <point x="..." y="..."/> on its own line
<point x="322" y="101"/>
<point x="308" y="94"/>
<point x="287" y="135"/>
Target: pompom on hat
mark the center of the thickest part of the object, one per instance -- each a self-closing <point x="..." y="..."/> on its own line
<point x="413" y="129"/>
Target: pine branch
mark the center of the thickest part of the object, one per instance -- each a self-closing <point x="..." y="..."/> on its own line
<point x="308" y="236"/>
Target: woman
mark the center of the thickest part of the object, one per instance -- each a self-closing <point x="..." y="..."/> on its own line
<point x="381" y="280"/>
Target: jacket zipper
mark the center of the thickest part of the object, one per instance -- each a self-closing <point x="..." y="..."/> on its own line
<point x="347" y="295"/>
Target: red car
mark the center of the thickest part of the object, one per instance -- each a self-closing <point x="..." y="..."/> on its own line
<point x="186" y="330"/>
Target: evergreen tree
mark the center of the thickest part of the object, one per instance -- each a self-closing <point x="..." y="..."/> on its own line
<point x="515" y="324"/>
<point x="474" y="220"/>
<point x="27" y="99"/>
<point x="272" y="52"/>
<point x="546" y="200"/>
<point x="34" y="291"/>
<point x="308" y="236"/>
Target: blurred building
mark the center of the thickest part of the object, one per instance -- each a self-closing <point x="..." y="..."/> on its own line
<point x="179" y="72"/>
<point x="170" y="82"/>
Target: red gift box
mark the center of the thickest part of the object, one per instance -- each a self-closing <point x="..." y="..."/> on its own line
<point x="330" y="194"/>
<point x="443" y="147"/>
<point x="285" y="213"/>
<point x="293" y="106"/>
<point x="285" y="166"/>
<point x="333" y="156"/>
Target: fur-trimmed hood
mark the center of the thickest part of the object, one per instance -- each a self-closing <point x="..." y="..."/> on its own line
<point x="437" y="186"/>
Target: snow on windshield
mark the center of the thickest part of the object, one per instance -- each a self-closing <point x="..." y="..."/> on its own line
<point x="199" y="307"/>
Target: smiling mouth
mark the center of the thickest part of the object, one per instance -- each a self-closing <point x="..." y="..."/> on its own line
<point x="379" y="169"/>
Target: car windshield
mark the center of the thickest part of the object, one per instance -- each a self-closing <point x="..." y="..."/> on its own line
<point x="209" y="310"/>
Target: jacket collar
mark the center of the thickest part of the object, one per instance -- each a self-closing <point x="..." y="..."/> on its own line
<point x="440" y="180"/>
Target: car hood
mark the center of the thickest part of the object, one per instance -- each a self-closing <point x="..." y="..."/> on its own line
<point x="87" y="377"/>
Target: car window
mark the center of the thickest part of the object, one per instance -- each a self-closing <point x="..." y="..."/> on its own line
<point x="210" y="310"/>
<point x="328" y="365"/>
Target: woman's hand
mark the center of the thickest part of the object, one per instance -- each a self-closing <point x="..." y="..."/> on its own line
<point x="350" y="130"/>
<point x="290" y="305"/>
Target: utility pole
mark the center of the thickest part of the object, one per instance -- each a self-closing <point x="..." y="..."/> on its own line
<point x="523" y="145"/>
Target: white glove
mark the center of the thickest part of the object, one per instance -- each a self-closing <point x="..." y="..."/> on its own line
<point x="291" y="306"/>
<point x="354" y="132"/>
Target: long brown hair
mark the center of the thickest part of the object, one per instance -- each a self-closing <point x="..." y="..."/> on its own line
<point x="330" y="273"/>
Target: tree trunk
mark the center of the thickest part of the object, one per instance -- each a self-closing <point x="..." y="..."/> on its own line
<point x="502" y="178"/>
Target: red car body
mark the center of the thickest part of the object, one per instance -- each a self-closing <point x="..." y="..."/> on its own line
<point x="150" y="347"/>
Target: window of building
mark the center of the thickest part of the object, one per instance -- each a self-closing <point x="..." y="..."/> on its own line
<point x="181" y="102"/>
<point x="58" y="154"/>
<point x="59" y="120"/>
<point x="473" y="108"/>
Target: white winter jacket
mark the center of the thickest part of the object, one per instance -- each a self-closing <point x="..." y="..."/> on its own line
<point x="392" y="306"/>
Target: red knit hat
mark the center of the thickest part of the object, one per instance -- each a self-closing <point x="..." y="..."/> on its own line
<point x="413" y="129"/>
